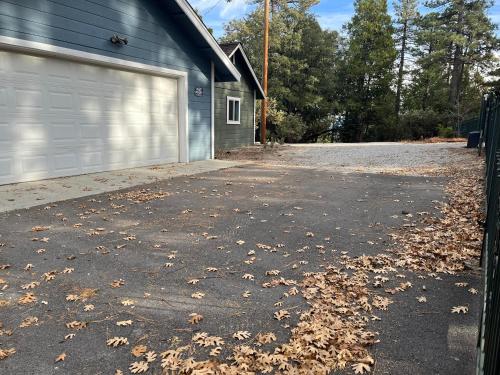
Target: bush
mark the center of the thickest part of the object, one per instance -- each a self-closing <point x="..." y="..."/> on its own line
<point x="446" y="132"/>
<point x="421" y="124"/>
<point x="291" y="128"/>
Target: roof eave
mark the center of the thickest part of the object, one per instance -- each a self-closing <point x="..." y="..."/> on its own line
<point x="260" y="90"/>
<point x="209" y="38"/>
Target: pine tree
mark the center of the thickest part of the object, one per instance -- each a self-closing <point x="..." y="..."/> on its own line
<point x="469" y="38"/>
<point x="367" y="73"/>
<point x="406" y="15"/>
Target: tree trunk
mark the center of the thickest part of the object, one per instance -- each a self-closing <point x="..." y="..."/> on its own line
<point x="457" y="67"/>
<point x="401" y="68"/>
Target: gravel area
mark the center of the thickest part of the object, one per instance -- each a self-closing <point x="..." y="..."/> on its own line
<point x="394" y="158"/>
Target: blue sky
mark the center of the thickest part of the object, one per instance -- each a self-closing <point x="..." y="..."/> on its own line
<point x="332" y="14"/>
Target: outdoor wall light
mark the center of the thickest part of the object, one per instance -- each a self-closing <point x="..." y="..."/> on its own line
<point x="116" y="39"/>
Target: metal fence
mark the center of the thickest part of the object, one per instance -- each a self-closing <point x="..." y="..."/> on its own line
<point x="489" y="334"/>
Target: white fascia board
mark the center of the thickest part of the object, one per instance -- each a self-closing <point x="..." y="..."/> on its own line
<point x="257" y="83"/>
<point x="209" y="38"/>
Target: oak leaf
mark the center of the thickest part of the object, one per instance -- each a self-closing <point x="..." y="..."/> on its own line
<point x="139" y="350"/>
<point x="242" y="335"/>
<point x="117" y="341"/>
<point x="195" y="318"/>
<point x="138" y="367"/>
<point x="361" y="368"/>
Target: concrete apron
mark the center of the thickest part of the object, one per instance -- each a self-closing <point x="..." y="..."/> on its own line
<point x="30" y="194"/>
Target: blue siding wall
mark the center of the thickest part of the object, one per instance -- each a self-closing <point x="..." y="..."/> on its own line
<point x="154" y="38"/>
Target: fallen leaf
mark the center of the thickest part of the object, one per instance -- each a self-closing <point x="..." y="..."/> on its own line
<point x="124" y="323"/>
<point x="117" y="341"/>
<point x="198" y="295"/>
<point x="138" y="367"/>
<point x="282" y="314"/>
<point x="139" y="350"/>
<point x="195" y="318"/>
<point x="27" y="298"/>
<point x="242" y="335"/>
<point x="361" y="368"/>
<point x="460" y="310"/>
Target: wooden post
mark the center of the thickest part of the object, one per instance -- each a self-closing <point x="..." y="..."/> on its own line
<point x="263" y="122"/>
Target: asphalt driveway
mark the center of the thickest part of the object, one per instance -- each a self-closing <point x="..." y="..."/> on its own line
<point x="157" y="253"/>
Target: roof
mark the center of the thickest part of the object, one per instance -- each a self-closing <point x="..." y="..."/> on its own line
<point x="230" y="49"/>
<point x="184" y="13"/>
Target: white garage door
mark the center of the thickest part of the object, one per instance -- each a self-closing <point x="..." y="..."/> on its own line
<point x="59" y="118"/>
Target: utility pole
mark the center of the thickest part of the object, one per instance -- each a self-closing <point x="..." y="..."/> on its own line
<point x="263" y="122"/>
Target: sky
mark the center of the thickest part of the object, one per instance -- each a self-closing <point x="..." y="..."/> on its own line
<point x="332" y="14"/>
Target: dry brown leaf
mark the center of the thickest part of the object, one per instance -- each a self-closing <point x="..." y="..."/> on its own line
<point x="460" y="310"/>
<point x="139" y="350"/>
<point x="198" y="295"/>
<point x="60" y="358"/>
<point x="265" y="338"/>
<point x="28" y="322"/>
<point x="150" y="356"/>
<point x="215" y="351"/>
<point x="117" y="341"/>
<point x="39" y="228"/>
<point x="282" y="314"/>
<point x="72" y="297"/>
<point x="27" y="298"/>
<point x="31" y="285"/>
<point x="77" y="325"/>
<point x="117" y="283"/>
<point x="242" y="335"/>
<point x="361" y="368"/>
<point x="5" y="353"/>
<point x="138" y="367"/>
<point x="195" y="318"/>
<point x="124" y="323"/>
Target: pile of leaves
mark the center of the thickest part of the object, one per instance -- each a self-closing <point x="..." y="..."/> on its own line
<point x="330" y="334"/>
<point x="140" y="196"/>
<point x="451" y="242"/>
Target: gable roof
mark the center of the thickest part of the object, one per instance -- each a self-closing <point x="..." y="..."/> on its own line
<point x="182" y="10"/>
<point x="230" y="49"/>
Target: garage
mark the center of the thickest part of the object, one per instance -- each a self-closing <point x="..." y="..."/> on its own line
<point x="66" y="113"/>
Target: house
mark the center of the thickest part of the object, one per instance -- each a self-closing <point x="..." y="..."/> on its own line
<point x="235" y="103"/>
<point x="89" y="86"/>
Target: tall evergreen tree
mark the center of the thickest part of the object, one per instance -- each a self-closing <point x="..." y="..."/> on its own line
<point x="406" y="14"/>
<point x="367" y="73"/>
<point x="469" y="39"/>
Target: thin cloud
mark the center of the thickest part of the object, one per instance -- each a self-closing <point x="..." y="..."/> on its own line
<point x="333" y="21"/>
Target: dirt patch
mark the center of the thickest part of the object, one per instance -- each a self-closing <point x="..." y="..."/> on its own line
<point x="254" y="153"/>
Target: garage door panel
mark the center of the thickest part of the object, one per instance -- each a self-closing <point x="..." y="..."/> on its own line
<point x="91" y="160"/>
<point x="6" y="166"/>
<point x="60" y="100"/>
<point x="63" y="118"/>
<point x="66" y="162"/>
<point x="35" y="163"/>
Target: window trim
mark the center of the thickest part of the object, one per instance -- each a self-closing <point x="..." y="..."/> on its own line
<point x="228" y="101"/>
